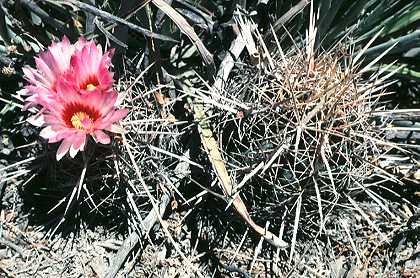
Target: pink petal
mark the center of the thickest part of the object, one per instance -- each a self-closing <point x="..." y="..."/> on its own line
<point x="59" y="55"/>
<point x="63" y="133"/>
<point x="105" y="78"/>
<point x="80" y="43"/>
<point x="53" y="140"/>
<point x="109" y="54"/>
<point x="48" y="133"/>
<point x="89" y="61"/>
<point x="82" y="144"/>
<point x="104" y="101"/>
<point x="67" y="93"/>
<point x="63" y="149"/>
<point x="111" y="118"/>
<point x="117" y="129"/>
<point x="43" y="66"/>
<point x="102" y="137"/>
<point x="51" y="119"/>
<point x="29" y="73"/>
<point x="118" y="115"/>
<point x="73" y="151"/>
<point x="78" y="144"/>
<point x="23" y="92"/>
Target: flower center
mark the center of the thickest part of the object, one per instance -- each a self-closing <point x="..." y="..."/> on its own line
<point x="90" y="83"/>
<point x="90" y="87"/>
<point x="82" y="121"/>
<point x="80" y="116"/>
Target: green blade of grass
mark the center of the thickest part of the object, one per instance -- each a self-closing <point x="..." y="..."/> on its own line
<point x="402" y="22"/>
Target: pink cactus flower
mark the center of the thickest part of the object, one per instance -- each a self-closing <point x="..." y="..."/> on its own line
<point x="89" y="68"/>
<point x="50" y="67"/>
<point x="72" y="84"/>
<point x="82" y="65"/>
<point x="72" y="117"/>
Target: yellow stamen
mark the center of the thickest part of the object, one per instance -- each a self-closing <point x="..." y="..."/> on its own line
<point x="90" y="87"/>
<point x="81" y="120"/>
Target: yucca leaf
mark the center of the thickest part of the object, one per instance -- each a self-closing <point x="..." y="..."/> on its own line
<point x="348" y="18"/>
<point x="404" y="43"/>
<point x="328" y="11"/>
<point x="405" y="71"/>
<point x="405" y="20"/>
<point x="3" y="26"/>
<point x="384" y="10"/>
<point x="409" y="73"/>
<point x="387" y="23"/>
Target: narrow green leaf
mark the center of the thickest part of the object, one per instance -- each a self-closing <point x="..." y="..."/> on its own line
<point x="404" y="43"/>
<point x="4" y="35"/>
<point x="347" y="20"/>
<point x="405" y="71"/>
<point x="328" y="17"/>
<point x="405" y="20"/>
<point x="382" y="12"/>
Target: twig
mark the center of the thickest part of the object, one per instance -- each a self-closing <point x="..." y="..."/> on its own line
<point x="5" y="271"/>
<point x="211" y="147"/>
<point x="155" y="207"/>
<point x="90" y="19"/>
<point x="295" y="227"/>
<point x="13" y="246"/>
<point x="188" y="30"/>
<point x="287" y="16"/>
<point x="233" y="268"/>
<point x="32" y="6"/>
<point x="129" y="243"/>
<point x="116" y="19"/>
<point x="212" y="150"/>
<point x="200" y="16"/>
<point x="228" y="63"/>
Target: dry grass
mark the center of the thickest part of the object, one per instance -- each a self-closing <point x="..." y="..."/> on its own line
<point x="306" y="147"/>
<point x="300" y="137"/>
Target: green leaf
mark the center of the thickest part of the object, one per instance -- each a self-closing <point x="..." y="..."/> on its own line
<point x="406" y="71"/>
<point x="398" y="21"/>
<point x="405" y="20"/>
<point x="36" y="20"/>
<point x="383" y="11"/>
<point x="404" y="44"/>
<point x="4" y="35"/>
<point x="328" y="11"/>
<point x="347" y="20"/>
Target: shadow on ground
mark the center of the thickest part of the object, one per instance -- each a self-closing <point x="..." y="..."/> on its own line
<point x="53" y="199"/>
